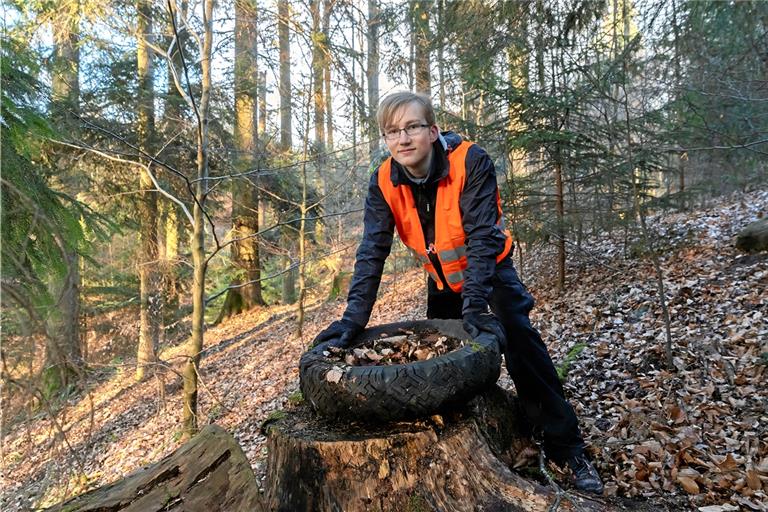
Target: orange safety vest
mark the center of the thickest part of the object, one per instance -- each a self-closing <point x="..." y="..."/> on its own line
<point x="450" y="238"/>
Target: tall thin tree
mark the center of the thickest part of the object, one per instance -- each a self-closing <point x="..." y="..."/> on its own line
<point x="318" y="67"/>
<point x="420" y="14"/>
<point x="150" y="306"/>
<point x="63" y="354"/>
<point x="199" y="261"/>
<point x="283" y="36"/>
<point x="372" y="73"/>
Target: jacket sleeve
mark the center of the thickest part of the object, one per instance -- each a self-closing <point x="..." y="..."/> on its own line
<point x="485" y="239"/>
<point x="379" y="226"/>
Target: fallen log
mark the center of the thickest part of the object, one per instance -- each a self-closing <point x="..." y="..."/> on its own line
<point x="458" y="463"/>
<point x="209" y="473"/>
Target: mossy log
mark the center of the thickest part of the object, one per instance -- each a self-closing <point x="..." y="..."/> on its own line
<point x="456" y="462"/>
<point x="209" y="473"/>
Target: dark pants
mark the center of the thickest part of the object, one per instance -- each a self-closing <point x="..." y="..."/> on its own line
<point x="528" y="362"/>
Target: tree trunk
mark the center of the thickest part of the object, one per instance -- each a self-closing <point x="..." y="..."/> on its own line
<point x="209" y="473"/>
<point x="302" y="232"/>
<point x="560" y="209"/>
<point x="245" y="204"/>
<point x="289" y="282"/>
<point x="150" y="304"/>
<point x="328" y="7"/>
<point x="318" y="66"/>
<point x="63" y="351"/>
<point x="372" y="73"/>
<point x="283" y="17"/>
<point x="171" y="255"/>
<point x="261" y="132"/>
<point x="677" y="94"/>
<point x="195" y="344"/>
<point x="453" y="463"/>
<point x="422" y="41"/>
<point x="173" y="115"/>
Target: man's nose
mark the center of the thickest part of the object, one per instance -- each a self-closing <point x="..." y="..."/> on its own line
<point x="403" y="133"/>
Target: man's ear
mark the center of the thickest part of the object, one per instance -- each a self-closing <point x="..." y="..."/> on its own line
<point x="434" y="131"/>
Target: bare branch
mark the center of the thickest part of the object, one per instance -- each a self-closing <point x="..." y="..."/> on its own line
<point x="158" y="187"/>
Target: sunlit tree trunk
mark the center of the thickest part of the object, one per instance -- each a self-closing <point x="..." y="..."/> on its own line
<point x="318" y="66"/>
<point x="262" y="131"/>
<point x="283" y="35"/>
<point x="245" y="209"/>
<point x="150" y="304"/>
<point x="303" y="228"/>
<point x="197" y="245"/>
<point x="372" y="73"/>
<point x="63" y="351"/>
<point x="173" y="114"/>
<point x="327" y="75"/>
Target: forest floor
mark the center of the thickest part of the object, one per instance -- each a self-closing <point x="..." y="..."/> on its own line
<point x="691" y="438"/>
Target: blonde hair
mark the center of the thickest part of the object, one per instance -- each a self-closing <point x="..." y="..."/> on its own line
<point x="393" y="102"/>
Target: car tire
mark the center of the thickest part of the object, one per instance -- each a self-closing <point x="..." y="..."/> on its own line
<point x="400" y="391"/>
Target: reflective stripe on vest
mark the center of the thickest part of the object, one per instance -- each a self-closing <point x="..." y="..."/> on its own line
<point x="453" y="254"/>
<point x="450" y="238"/>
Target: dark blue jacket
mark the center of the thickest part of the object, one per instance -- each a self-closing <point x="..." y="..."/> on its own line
<point x="485" y="238"/>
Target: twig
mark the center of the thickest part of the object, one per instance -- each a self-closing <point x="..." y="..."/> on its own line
<point x="560" y="493"/>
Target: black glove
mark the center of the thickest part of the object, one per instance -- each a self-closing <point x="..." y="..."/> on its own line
<point x="339" y="334"/>
<point x="475" y="323"/>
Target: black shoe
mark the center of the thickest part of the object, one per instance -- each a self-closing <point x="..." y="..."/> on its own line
<point x="585" y="477"/>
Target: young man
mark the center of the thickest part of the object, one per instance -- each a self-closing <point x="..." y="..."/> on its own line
<point x="440" y="193"/>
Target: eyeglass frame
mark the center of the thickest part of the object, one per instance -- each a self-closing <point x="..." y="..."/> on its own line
<point x="391" y="136"/>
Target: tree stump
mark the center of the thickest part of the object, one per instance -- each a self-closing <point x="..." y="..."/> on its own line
<point x="459" y="463"/>
<point x="754" y="237"/>
<point x="209" y="473"/>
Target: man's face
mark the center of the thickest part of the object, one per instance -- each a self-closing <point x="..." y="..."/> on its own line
<point x="413" y="151"/>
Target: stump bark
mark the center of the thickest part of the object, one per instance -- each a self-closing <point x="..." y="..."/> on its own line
<point x="458" y="463"/>
<point x="209" y="473"/>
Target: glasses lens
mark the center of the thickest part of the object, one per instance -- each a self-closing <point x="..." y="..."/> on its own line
<point x="414" y="129"/>
<point x="410" y="131"/>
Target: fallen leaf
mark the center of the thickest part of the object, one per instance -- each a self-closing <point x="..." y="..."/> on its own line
<point x="753" y="480"/>
<point x="688" y="484"/>
<point x="719" y="508"/>
<point x="334" y="375"/>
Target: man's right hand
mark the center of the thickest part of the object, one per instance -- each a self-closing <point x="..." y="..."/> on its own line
<point x="475" y="323"/>
<point x="340" y="333"/>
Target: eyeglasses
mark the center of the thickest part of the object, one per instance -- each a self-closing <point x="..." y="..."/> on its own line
<point x="411" y="130"/>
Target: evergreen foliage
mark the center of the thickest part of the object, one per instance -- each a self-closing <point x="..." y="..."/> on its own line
<point x="39" y="224"/>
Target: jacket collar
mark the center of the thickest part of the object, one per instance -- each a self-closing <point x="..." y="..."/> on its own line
<point x="445" y="143"/>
